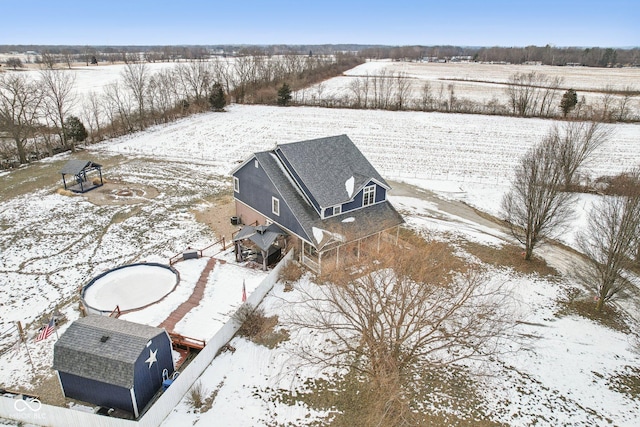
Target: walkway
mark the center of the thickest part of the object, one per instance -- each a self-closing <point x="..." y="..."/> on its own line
<point x="194" y="300"/>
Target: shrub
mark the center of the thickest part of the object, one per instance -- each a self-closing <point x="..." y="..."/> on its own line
<point x="195" y="397"/>
<point x="290" y="274"/>
<point x="63" y="192"/>
<point x="252" y="320"/>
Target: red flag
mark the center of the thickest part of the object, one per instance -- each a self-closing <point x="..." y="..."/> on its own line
<point x="244" y="292"/>
<point x="46" y="331"/>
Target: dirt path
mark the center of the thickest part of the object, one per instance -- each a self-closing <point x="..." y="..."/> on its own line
<point x="557" y="256"/>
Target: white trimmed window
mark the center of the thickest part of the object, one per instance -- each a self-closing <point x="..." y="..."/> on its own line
<point x="368" y="195"/>
<point x="337" y="210"/>
<point x="236" y="184"/>
<point x="275" y="206"/>
<point x="255" y="163"/>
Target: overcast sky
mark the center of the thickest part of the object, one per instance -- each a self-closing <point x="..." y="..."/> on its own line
<point x="605" y="23"/>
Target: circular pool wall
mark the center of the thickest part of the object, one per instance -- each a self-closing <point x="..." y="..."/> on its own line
<point x="130" y="287"/>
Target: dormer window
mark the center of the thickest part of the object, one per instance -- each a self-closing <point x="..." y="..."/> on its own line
<point x="368" y="195"/>
<point x="337" y="210"/>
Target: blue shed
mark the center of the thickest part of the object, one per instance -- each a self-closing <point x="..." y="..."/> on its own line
<point x="112" y="362"/>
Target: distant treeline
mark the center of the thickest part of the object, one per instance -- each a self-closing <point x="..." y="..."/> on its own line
<point x="547" y="55"/>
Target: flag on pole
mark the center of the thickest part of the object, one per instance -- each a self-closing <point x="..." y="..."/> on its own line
<point x="244" y="292"/>
<point x="47" y="330"/>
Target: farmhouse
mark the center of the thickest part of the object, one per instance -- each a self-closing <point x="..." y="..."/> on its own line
<point x="323" y="192"/>
<point x="112" y="363"/>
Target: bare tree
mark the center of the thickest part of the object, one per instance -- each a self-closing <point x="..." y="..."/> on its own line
<point x="403" y="89"/>
<point x="14" y="63"/>
<point x="610" y="242"/>
<point x="48" y="60"/>
<point x="92" y="112"/>
<point x="576" y="143"/>
<point x="536" y="207"/>
<point x="136" y="78"/>
<point x="427" y="100"/>
<point x="196" y="80"/>
<point x="398" y="312"/>
<point x="20" y="102"/>
<point x="119" y="107"/>
<point x="531" y="93"/>
<point x="59" y="96"/>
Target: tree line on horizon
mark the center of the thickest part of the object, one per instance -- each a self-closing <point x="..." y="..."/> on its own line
<point x="546" y="55"/>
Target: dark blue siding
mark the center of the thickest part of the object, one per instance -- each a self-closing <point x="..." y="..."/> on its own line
<point x="381" y="195"/>
<point x="256" y="190"/>
<point x="96" y="392"/>
<point x="148" y="380"/>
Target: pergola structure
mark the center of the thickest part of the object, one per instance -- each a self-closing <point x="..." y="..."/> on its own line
<point x="80" y="169"/>
<point x="266" y="239"/>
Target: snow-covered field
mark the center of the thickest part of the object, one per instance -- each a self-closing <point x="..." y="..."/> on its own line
<point x="479" y="82"/>
<point x="51" y="244"/>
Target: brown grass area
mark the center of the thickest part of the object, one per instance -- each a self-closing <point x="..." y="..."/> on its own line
<point x="509" y="256"/>
<point x="217" y="217"/>
<point x="576" y="303"/>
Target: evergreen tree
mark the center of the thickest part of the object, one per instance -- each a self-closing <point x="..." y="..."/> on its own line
<point x="217" y="99"/>
<point x="74" y="129"/>
<point x="284" y="95"/>
<point x="568" y="101"/>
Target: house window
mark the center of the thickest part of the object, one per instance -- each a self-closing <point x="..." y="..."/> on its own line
<point x="369" y="195"/>
<point x="337" y="210"/>
<point x="236" y="184"/>
<point x="255" y="163"/>
<point x="275" y="206"/>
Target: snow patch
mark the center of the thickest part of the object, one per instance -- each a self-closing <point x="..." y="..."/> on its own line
<point x="348" y="184"/>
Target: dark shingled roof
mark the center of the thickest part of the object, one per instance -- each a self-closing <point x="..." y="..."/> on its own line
<point x="80" y="350"/>
<point x="360" y="223"/>
<point x="326" y="164"/>
<point x="74" y="167"/>
<point x="262" y="235"/>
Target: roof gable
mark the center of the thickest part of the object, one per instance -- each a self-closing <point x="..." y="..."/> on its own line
<point x="330" y="168"/>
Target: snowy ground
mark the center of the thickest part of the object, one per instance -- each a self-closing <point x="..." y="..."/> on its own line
<point x="479" y="82"/>
<point x="51" y="244"/>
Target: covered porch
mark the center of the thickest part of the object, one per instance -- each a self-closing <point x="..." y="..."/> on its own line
<point x="338" y="254"/>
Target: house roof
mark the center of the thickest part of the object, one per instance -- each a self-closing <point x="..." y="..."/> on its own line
<point x="332" y="168"/>
<point x="321" y="233"/>
<point x="74" y="167"/>
<point x="83" y="351"/>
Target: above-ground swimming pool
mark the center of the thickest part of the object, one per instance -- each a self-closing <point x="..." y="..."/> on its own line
<point x="129" y="287"/>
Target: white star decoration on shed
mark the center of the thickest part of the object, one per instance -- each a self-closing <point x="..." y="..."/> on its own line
<point x="152" y="358"/>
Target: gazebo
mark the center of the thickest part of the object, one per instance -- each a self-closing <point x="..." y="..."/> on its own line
<point x="80" y="169"/>
<point x="261" y="243"/>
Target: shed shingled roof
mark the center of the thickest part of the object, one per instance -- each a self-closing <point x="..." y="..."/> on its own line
<point x="80" y="350"/>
